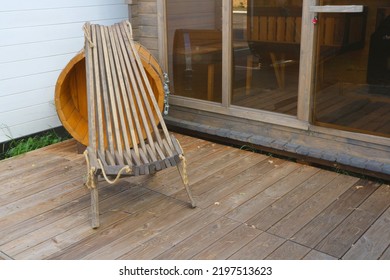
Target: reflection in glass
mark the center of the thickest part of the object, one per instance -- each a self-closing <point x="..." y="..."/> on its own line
<point x="353" y="69"/>
<point x="195" y="48"/>
<point x="266" y="53"/>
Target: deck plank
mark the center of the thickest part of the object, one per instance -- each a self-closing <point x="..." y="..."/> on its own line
<point x="85" y="239"/>
<point x="247" y="175"/>
<point x="371" y="245"/>
<point x="4" y="256"/>
<point x="35" y="172"/>
<point x="289" y="251"/>
<point x="316" y="255"/>
<point x="138" y="235"/>
<point x="203" y="238"/>
<point x="171" y="237"/>
<point x="16" y="242"/>
<point x="244" y="192"/>
<point x="229" y="244"/>
<point x="269" y="195"/>
<point x="283" y="206"/>
<point x="386" y="254"/>
<point x="24" y="209"/>
<point x="340" y="240"/>
<point x="45" y="180"/>
<point x="308" y="210"/>
<point x="318" y="228"/>
<point x="259" y="248"/>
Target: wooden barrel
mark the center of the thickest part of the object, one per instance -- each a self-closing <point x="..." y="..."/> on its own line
<point x="71" y="92"/>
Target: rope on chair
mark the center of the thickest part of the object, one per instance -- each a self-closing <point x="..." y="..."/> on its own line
<point x="185" y="175"/>
<point x="90" y="184"/>
<point x="88" y="35"/>
<point x="125" y="168"/>
<point x="184" y="161"/>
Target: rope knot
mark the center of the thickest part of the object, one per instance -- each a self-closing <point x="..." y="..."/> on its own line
<point x="90" y="183"/>
<point x="185" y="175"/>
<point x="87" y="33"/>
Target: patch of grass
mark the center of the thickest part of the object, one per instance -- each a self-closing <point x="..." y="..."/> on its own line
<point x="24" y="145"/>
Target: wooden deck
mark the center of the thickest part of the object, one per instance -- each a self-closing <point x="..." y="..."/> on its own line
<point x="250" y="207"/>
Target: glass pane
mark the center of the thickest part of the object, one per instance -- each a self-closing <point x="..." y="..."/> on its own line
<point x="353" y="69"/>
<point x="266" y="53"/>
<point x="195" y="48"/>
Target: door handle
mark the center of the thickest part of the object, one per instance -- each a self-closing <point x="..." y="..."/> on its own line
<point x="337" y="9"/>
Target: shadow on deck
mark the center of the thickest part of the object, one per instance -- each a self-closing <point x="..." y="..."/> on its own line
<point x="250" y="206"/>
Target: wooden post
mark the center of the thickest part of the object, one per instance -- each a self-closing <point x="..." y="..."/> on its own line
<point x="305" y="91"/>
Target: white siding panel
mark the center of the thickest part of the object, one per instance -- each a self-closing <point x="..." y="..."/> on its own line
<point x="26" y="115"/>
<point x="34" y="50"/>
<point x="23" y="129"/>
<point x="33" y="66"/>
<point x="56" y="16"/>
<point x="33" y="34"/>
<point x="38" y="38"/>
<point x="28" y="83"/>
<point x="17" y="5"/>
<point x="28" y="98"/>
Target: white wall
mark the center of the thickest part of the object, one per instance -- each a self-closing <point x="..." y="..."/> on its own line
<point x="37" y="39"/>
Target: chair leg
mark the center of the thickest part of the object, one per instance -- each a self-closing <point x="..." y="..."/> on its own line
<point x="183" y="173"/>
<point x="92" y="185"/>
<point x="95" y="204"/>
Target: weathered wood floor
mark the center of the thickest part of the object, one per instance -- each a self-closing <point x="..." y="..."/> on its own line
<point x="250" y="207"/>
<point x="358" y="108"/>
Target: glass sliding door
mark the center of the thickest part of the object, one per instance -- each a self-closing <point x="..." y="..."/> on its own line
<point x="195" y="48"/>
<point x="352" y="79"/>
<point x="266" y="54"/>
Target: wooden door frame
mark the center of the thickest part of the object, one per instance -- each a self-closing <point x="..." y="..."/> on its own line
<point x="307" y="62"/>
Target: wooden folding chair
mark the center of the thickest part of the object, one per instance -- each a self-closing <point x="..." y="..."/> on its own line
<point x="123" y="115"/>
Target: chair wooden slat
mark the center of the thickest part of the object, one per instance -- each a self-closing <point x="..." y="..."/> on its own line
<point x="153" y="157"/>
<point x="136" y="158"/>
<point x="136" y="87"/>
<point x="110" y="157"/>
<point x="163" y="158"/>
<point x="132" y="92"/>
<point x="127" y="157"/>
<point x="102" y="158"/>
<point x="107" y="128"/>
<point x="150" y="153"/>
<point x="96" y="95"/>
<point x="119" y="87"/>
<point x="91" y="97"/>
<point x="143" y="157"/>
<point x="119" y="158"/>
<point x="112" y="96"/>
<point x="141" y="97"/>
<point x="154" y="103"/>
<point x="178" y="148"/>
<point x="127" y="98"/>
<point x="167" y="148"/>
